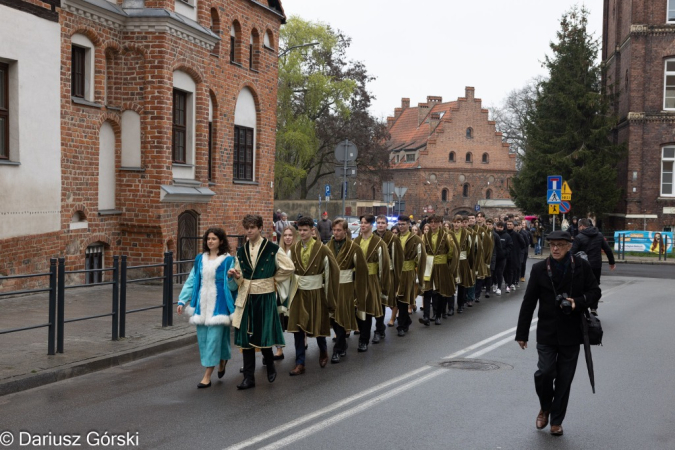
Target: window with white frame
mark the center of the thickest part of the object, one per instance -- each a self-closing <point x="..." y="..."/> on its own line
<point x="667" y="162"/>
<point x="669" y="85"/>
<point x="410" y="157"/>
<point x="82" y="64"/>
<point x="4" y="111"/>
<point x="671" y="12"/>
<point x="183" y="126"/>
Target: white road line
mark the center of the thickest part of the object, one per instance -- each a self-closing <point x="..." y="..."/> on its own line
<point x="335" y="406"/>
<point x="350" y="412"/>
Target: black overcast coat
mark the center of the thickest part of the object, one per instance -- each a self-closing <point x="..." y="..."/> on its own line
<point x="592" y="242"/>
<point x="554" y="326"/>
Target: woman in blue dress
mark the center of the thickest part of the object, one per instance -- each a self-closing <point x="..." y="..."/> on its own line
<point x="209" y="299"/>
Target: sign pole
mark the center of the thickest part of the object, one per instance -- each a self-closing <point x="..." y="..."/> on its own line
<point x="344" y="178"/>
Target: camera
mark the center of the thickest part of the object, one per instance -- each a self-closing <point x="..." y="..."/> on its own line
<point x="562" y="302"/>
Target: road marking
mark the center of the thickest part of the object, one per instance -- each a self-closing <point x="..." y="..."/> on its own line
<point x="339" y="405"/>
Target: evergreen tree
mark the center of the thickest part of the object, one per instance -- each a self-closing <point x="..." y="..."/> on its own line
<point x="568" y="131"/>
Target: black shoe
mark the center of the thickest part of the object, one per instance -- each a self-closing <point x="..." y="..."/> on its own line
<point x="203" y="386"/>
<point x="444" y="315"/>
<point x="221" y="373"/>
<point x="451" y="312"/>
<point x="460" y="310"/>
<point x="401" y="332"/>
<point x="343" y="354"/>
<point x="438" y="320"/>
<point x="363" y="347"/>
<point x="278" y="357"/>
<point x="477" y="300"/>
<point x="246" y="383"/>
<point x="376" y="338"/>
<point x="469" y="304"/>
<point x="487" y="295"/>
<point x="271" y="373"/>
<point x="335" y="358"/>
<point x="425" y="321"/>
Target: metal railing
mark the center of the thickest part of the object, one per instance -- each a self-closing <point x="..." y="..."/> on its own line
<point x="51" y="315"/>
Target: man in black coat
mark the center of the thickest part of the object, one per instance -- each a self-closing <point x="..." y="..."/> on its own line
<point x="513" y="264"/>
<point x="502" y="257"/>
<point x="559" y="332"/>
<point x="592" y="242"/>
<point x="527" y="238"/>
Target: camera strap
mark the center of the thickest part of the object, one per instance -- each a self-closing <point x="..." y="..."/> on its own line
<point x="550" y="274"/>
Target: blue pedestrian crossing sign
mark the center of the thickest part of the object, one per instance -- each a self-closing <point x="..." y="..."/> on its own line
<point x="553" y="187"/>
<point x="328" y="190"/>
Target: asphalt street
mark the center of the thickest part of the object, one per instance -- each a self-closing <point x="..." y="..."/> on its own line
<point x="398" y="395"/>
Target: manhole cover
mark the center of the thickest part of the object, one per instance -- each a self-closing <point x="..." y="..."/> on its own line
<point x="470" y="364"/>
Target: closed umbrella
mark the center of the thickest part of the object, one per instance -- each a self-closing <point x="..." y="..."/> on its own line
<point x="587" y="353"/>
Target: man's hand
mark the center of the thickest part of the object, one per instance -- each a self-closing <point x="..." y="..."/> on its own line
<point x="571" y="300"/>
<point x="523" y="344"/>
<point x="612" y="266"/>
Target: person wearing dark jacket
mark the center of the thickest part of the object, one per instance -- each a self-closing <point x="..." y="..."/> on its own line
<point x="592" y="242"/>
<point x="496" y="248"/>
<point x="513" y="264"/>
<point x="527" y="238"/>
<point x="559" y="332"/>
<point x="503" y="256"/>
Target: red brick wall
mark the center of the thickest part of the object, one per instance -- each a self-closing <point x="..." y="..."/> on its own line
<point x="137" y="68"/>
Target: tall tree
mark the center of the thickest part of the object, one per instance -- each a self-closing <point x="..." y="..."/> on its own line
<point x="568" y="131"/>
<point x="322" y="100"/>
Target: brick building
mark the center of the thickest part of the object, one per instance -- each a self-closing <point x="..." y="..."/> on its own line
<point x="638" y="51"/>
<point x="150" y="121"/>
<point x="449" y="156"/>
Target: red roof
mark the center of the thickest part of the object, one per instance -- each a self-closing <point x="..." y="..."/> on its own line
<point x="407" y="134"/>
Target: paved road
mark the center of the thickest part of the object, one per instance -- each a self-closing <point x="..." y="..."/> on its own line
<point x="640" y="270"/>
<point x="391" y="397"/>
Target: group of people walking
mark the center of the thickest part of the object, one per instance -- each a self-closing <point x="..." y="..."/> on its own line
<point x="309" y="288"/>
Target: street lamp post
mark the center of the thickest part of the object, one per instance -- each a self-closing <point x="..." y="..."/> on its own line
<point x="285" y="52"/>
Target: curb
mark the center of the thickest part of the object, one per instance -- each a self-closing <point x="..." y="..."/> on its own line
<point x="622" y="261"/>
<point x="75" y="369"/>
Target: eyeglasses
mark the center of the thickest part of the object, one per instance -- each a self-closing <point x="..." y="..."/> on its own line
<point x="559" y="245"/>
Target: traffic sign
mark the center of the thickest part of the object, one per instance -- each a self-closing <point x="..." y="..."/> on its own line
<point x="328" y="190"/>
<point x="400" y="191"/>
<point x="477" y="208"/>
<point x="346" y="151"/>
<point x="565" y="207"/>
<point x="554" y="182"/>
<point x="566" y="192"/>
<point x="553" y="209"/>
<point x="553" y="196"/>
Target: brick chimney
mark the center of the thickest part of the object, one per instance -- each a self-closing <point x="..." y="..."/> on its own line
<point x="422" y="112"/>
<point x="433" y="99"/>
<point x="405" y="103"/>
<point x="390" y="122"/>
<point x="434" y="121"/>
<point x="397" y="112"/>
<point x="469" y="93"/>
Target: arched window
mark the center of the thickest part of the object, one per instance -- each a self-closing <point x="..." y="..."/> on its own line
<point x="469" y="157"/>
<point x="488" y="194"/>
<point x="465" y="190"/>
<point x="451" y="157"/>
<point x="469" y="133"/>
<point x="235" y="32"/>
<point x="215" y="28"/>
<point x="268" y="40"/>
<point x="245" y="122"/>
<point x="82" y="68"/>
<point x="444" y="195"/>
<point x="254" y="50"/>
<point x="486" y="158"/>
<point x="131" y="139"/>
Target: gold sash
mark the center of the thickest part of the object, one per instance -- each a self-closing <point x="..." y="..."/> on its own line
<point x="409" y="265"/>
<point x="255" y="287"/>
<point x="372" y="268"/>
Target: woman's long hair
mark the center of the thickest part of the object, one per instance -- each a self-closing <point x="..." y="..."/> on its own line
<point x="656" y="242"/>
<point x="296" y="237"/>
<point x="220" y="234"/>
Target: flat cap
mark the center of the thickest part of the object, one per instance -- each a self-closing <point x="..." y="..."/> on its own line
<point x="559" y="236"/>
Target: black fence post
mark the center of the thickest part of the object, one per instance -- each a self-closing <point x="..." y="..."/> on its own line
<point x="169" y="294"/>
<point x="165" y="293"/>
<point x="51" y="330"/>
<point x="123" y="297"/>
<point x="60" y="302"/>
<point x="665" y="249"/>
<point x="115" y="297"/>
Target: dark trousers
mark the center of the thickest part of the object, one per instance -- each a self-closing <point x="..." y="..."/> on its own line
<point x="364" y="329"/>
<point x="523" y="265"/>
<point x="299" y="337"/>
<point x="249" y="360"/>
<point x="340" y="337"/>
<point x="461" y="296"/>
<point x="380" y="327"/>
<point x="479" y="286"/>
<point x="597" y="272"/>
<point x="553" y="379"/>
<point x="498" y="276"/>
<point x="434" y="297"/>
<point x="404" y="320"/>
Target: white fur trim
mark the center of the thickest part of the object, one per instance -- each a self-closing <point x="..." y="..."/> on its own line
<point x="189" y="310"/>
<point x="282" y="309"/>
<point x="219" y="320"/>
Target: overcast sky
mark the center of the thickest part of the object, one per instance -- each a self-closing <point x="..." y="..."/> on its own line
<point x="417" y="48"/>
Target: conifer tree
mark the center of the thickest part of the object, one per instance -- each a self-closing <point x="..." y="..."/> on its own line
<point x="568" y="131"/>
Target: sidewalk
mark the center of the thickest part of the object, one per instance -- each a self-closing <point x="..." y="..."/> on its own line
<point x="654" y="260"/>
<point x="88" y="344"/>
